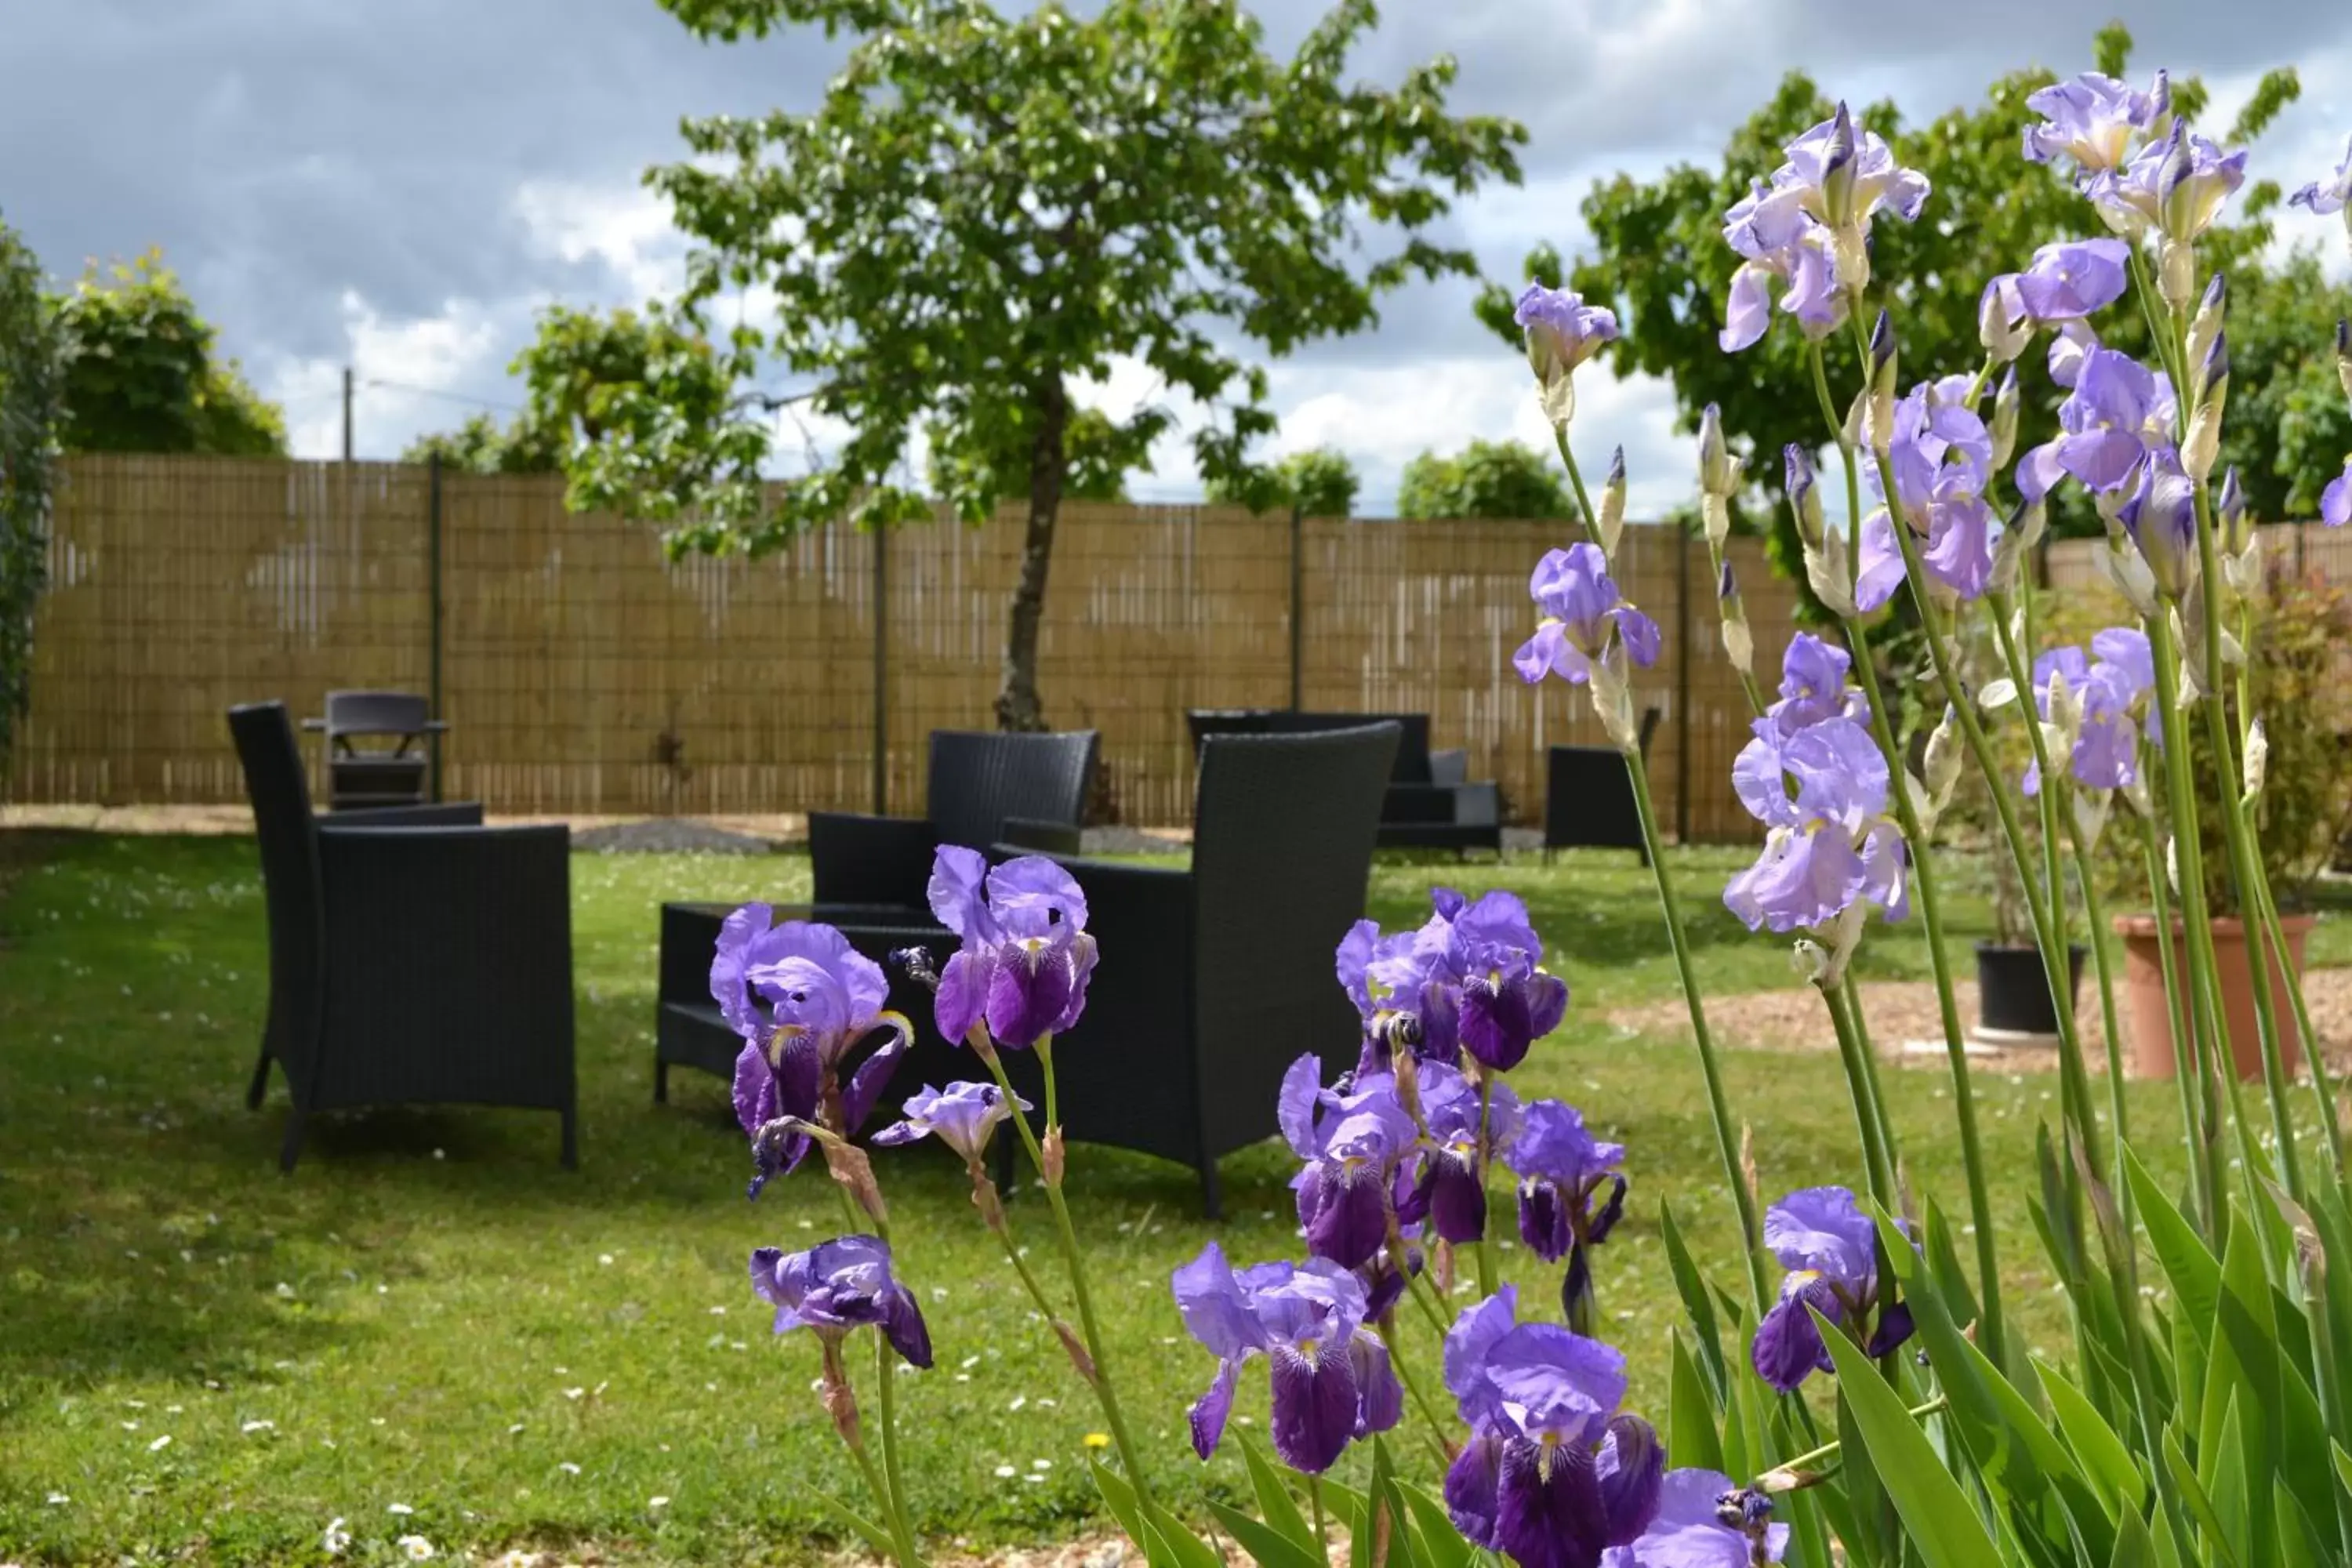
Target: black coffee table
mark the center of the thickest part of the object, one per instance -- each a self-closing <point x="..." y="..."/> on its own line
<point x="689" y="1032"/>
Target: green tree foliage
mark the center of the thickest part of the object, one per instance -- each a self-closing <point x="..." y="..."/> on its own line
<point x="1485" y="479"/>
<point x="1321" y="481"/>
<point x="1101" y="451"/>
<point x="982" y="209"/>
<point x="1659" y="259"/>
<point x="482" y="445"/>
<point x="141" y="376"/>
<point x="32" y="402"/>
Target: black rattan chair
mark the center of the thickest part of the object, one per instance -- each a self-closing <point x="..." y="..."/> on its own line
<point x="1589" y="796"/>
<point x="1214" y="978"/>
<point x="985" y="788"/>
<point x="415" y="957"/>
<point x="360" y="777"/>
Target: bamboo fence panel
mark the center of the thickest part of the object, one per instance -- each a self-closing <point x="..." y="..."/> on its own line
<point x="583" y="673"/>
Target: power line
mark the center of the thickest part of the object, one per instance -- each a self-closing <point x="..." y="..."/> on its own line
<point x="444" y="396"/>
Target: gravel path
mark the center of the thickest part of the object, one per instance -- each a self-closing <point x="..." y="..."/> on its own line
<point x="1906" y="1024"/>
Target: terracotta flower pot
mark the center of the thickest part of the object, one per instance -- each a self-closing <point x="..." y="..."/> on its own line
<point x="2151" y="1022"/>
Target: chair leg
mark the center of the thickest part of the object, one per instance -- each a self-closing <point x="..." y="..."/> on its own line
<point x="291" y="1149"/>
<point x="1000" y="1157"/>
<point x="661" y="1082"/>
<point x="572" y="1137"/>
<point x="1212" y="1202"/>
<point x="261" y="1084"/>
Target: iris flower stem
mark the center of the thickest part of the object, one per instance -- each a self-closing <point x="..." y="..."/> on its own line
<point x="1829" y="1450"/>
<point x="2198" y="1113"/>
<point x="1585" y="514"/>
<point x="2245" y="865"/>
<point x="1395" y="1341"/>
<point x="1870" y="1079"/>
<point x="902" y="1539"/>
<point x="1315" y="1504"/>
<point x="1718" y="1102"/>
<point x="1963" y="705"/>
<point x="1067" y="1236"/>
<point x="2074" y="1075"/>
<point x="890" y="1486"/>
<point x="2203" y="991"/>
<point x="2272" y="931"/>
<point x="1865" y="1114"/>
<point x="1486" y="1158"/>
<point x="1939" y="959"/>
<point x="1424" y="1293"/>
<point x="1021" y="1267"/>
<point x="2094" y="912"/>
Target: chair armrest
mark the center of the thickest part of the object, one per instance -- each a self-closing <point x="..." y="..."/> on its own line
<point x="855" y="859"/>
<point x="1449" y="767"/>
<point x="456" y="814"/>
<point x="448" y="964"/>
<point x="1042" y="838"/>
<point x="314" y="725"/>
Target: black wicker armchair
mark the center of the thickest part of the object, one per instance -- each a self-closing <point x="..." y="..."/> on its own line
<point x="415" y="957"/>
<point x="360" y="777"/>
<point x="1589" y="797"/>
<point x="984" y="788"/>
<point x="1214" y="978"/>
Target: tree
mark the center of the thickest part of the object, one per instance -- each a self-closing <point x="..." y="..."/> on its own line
<point x="982" y="209"/>
<point x="141" y="375"/>
<point x="1319" y="481"/>
<point x="481" y="445"/>
<point x="32" y="395"/>
<point x="1487" y="478"/>
<point x="1100" y="453"/>
<point x="1659" y="258"/>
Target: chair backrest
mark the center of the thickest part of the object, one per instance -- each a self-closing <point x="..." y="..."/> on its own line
<point x="1411" y="765"/>
<point x="376" y="712"/>
<point x="1282" y="850"/>
<point x="289" y="837"/>
<point x="979" y="777"/>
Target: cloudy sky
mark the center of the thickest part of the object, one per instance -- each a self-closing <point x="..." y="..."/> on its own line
<point x="400" y="185"/>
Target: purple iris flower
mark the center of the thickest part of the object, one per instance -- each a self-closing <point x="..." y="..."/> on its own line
<point x="1553" y="1474"/>
<point x="2107" y="751"/>
<point x="2320" y="200"/>
<point x="1387" y="976"/>
<point x="1942" y="456"/>
<point x="1805" y="265"/>
<point x="1563" y="331"/>
<point x="1831" y="1250"/>
<point x="1354" y="1141"/>
<point x="1691" y="1529"/>
<point x="1493" y="960"/>
<point x="2118" y="412"/>
<point x="1452" y="1190"/>
<point x="1831" y="842"/>
<point x="840" y="1285"/>
<point x="2091" y="121"/>
<point x="2065" y="282"/>
<point x="2161" y="517"/>
<point x="963" y="1115"/>
<point x="1843" y="173"/>
<point x="2175" y="185"/>
<point x="1026" y="956"/>
<point x="1570" y="1191"/>
<point x="1813" y="686"/>
<point x="802" y="999"/>
<point x="2336" y="501"/>
<point x="1582" y="607"/>
<point x="2073" y="343"/>
<point x="1332" y="1379"/>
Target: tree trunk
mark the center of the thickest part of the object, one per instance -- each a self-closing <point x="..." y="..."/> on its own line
<point x="1018" y="706"/>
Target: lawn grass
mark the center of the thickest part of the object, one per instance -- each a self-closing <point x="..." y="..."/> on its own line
<point x="432" y="1313"/>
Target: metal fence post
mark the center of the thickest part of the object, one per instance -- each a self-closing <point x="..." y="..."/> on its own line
<point x="881" y="670"/>
<point x="1297" y="605"/>
<point x="432" y="602"/>
<point x="1682" y="685"/>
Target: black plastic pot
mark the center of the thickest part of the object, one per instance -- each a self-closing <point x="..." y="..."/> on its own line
<point x="2013" y="988"/>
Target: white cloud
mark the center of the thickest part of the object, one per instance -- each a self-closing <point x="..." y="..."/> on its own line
<point x="406" y="376"/>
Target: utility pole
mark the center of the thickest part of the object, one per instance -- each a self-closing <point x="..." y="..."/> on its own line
<point x="347" y="413"/>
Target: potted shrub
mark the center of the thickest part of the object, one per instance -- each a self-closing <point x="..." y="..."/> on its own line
<point x="2300" y="693"/>
<point x="2013" y="990"/>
